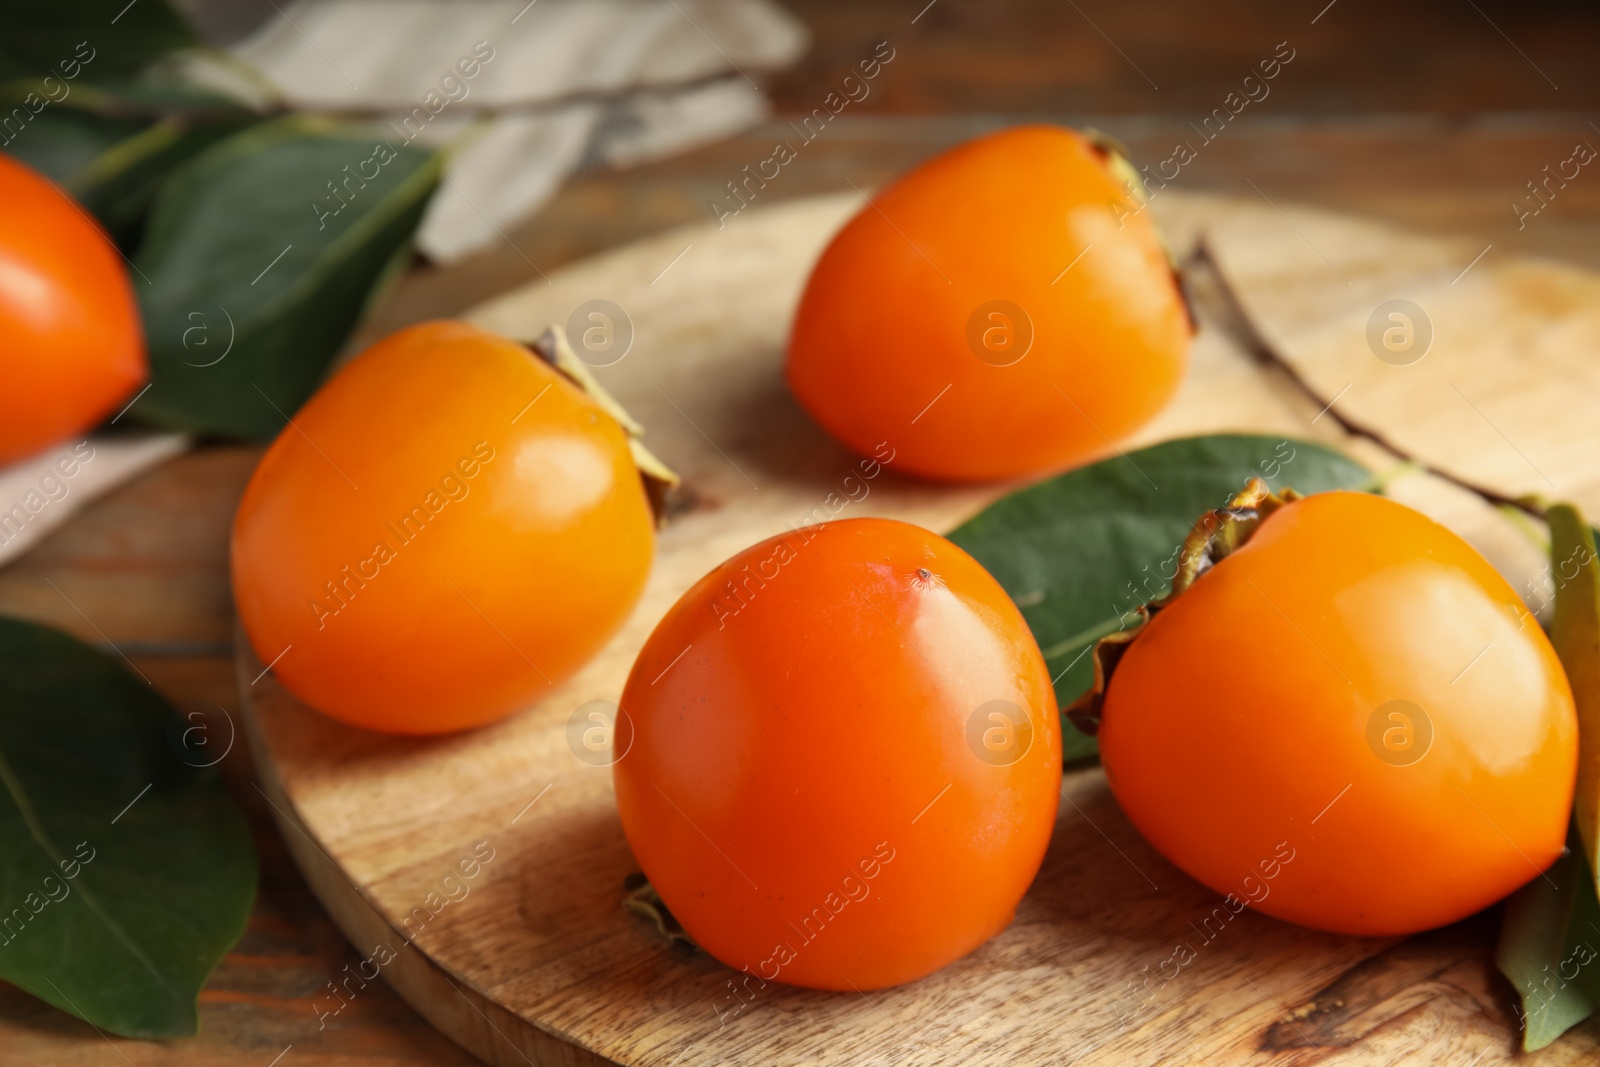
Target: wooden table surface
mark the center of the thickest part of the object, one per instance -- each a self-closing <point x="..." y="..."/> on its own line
<point x="1435" y="117"/>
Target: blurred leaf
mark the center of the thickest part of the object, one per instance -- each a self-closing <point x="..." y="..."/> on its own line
<point x="59" y="141"/>
<point x="1548" y="943"/>
<point x="155" y="92"/>
<point x="262" y="253"/>
<point x="114" y="166"/>
<point x="1082" y="550"/>
<point x="1575" y="633"/>
<point x="98" y="39"/>
<point x="126" y="873"/>
<point x="120" y="185"/>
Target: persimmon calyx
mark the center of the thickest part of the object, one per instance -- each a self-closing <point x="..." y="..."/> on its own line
<point x="1215" y="535"/>
<point x="552" y="347"/>
<point x="1120" y="164"/>
<point x="642" y="900"/>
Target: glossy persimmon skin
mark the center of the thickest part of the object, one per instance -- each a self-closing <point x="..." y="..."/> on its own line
<point x="881" y="348"/>
<point x="518" y="534"/>
<point x="803" y="745"/>
<point x="71" y="345"/>
<point x="1235" y="729"/>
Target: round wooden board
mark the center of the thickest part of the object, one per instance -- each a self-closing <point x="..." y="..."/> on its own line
<point x="534" y="960"/>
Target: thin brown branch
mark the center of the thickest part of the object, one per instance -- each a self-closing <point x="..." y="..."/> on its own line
<point x="1229" y="314"/>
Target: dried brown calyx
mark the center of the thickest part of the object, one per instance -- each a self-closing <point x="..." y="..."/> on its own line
<point x="642" y="899"/>
<point x="552" y="347"/>
<point x="1215" y="535"/>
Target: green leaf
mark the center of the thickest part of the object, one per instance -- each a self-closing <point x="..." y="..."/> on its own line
<point x="1547" y="951"/>
<point x="250" y="251"/>
<point x="115" y="166"/>
<point x="120" y="184"/>
<point x="125" y="872"/>
<point x="1080" y="552"/>
<point x="1550" y="940"/>
<point x="87" y="38"/>
<point x="156" y="92"/>
<point x="1575" y="633"/>
<point x="59" y="141"/>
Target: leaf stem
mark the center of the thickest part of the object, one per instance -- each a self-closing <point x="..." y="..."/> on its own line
<point x="124" y="155"/>
<point x="1229" y="313"/>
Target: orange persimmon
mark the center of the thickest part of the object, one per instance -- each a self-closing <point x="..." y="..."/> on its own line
<point x="1004" y="309"/>
<point x="448" y="528"/>
<point x="73" y="346"/>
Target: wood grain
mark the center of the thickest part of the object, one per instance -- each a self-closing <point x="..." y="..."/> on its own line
<point x="538" y="962"/>
<point x="1018" y="56"/>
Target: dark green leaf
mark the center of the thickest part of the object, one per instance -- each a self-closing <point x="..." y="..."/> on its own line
<point x="1081" y="551"/>
<point x="96" y="39"/>
<point x="156" y="92"/>
<point x="125" y="871"/>
<point x="60" y="140"/>
<point x="114" y="166"/>
<point x="120" y="185"/>
<point x="249" y="252"/>
<point x="1548" y="948"/>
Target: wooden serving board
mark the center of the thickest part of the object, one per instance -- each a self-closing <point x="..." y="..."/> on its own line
<point x="533" y="959"/>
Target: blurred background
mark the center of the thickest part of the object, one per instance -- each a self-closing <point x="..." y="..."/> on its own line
<point x="615" y="122"/>
<point x="1434" y="113"/>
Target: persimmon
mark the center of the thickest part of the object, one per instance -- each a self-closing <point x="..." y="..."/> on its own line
<point x="1004" y="309"/>
<point x="448" y="528"/>
<point x="74" y="347"/>
<point x="841" y="756"/>
<point x="1350" y="722"/>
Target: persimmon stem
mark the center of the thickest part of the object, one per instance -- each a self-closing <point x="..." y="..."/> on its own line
<point x="1229" y="314"/>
